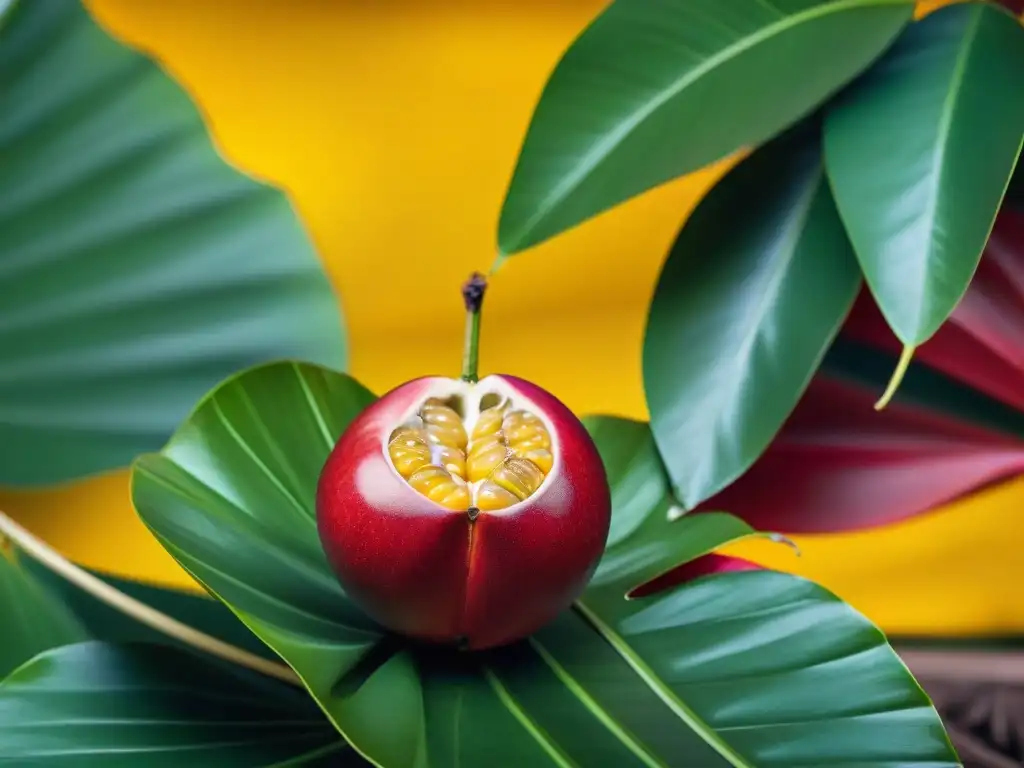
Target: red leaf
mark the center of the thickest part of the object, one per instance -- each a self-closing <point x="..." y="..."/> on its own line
<point x="838" y="465"/>
<point x="707" y="565"/>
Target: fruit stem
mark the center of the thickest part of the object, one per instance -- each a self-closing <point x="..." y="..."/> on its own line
<point x="473" y="296"/>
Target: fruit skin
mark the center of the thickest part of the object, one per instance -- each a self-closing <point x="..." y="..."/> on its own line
<point x="434" y="574"/>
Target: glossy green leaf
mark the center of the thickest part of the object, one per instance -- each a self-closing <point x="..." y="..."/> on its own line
<point x="127" y="706"/>
<point x="746" y="669"/>
<point x="653" y="90"/>
<point x="748" y="301"/>
<point x="138" y="268"/>
<point x="32" y="619"/>
<point x="231" y="497"/>
<point x="766" y="670"/>
<point x="646" y="538"/>
<point x="919" y="153"/>
<point x="102" y="622"/>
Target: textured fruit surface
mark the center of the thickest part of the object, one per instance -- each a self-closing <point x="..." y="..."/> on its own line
<point x="460" y="512"/>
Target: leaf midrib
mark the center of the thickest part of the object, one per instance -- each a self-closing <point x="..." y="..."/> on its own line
<point x="941" y="147"/>
<point x="544" y="741"/>
<point x="604" y="148"/>
<point x="662" y="691"/>
<point x="253" y="457"/>
<point x="625" y="736"/>
<point x="769" y="298"/>
<point x="337" y="746"/>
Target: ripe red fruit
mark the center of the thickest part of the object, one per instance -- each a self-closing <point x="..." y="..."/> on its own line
<point x="461" y="511"/>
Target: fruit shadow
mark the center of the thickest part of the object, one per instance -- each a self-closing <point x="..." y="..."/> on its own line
<point x="448" y="664"/>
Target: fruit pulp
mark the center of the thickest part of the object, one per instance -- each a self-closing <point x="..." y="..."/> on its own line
<point x="497" y="461"/>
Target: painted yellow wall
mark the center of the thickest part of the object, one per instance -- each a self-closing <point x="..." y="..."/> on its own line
<point x="395" y="126"/>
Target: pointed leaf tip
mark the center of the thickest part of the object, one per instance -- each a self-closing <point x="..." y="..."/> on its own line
<point x="919" y="201"/>
<point x="781" y="538"/>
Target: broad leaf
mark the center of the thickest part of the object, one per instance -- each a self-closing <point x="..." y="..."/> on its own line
<point x="123" y="706"/>
<point x="956" y="424"/>
<point x="138" y="268"/>
<point x="746" y="306"/>
<point x="982" y="345"/>
<point x="919" y="153"/>
<point x="103" y="622"/>
<point x="638" y="99"/>
<point x="838" y="466"/>
<point x="646" y="540"/>
<point x="32" y="619"/>
<point x="232" y="499"/>
<point x="702" y="675"/>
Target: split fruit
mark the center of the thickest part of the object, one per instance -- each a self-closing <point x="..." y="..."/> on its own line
<point x="464" y="511"/>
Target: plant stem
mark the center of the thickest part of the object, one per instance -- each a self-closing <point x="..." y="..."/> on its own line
<point x="473" y="296"/>
<point x="43" y="553"/>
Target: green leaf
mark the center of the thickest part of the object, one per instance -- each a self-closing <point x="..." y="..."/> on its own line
<point x="123" y="706"/>
<point x="5" y="5"/>
<point x="764" y="670"/>
<point x="32" y="619"/>
<point x="138" y="268"/>
<point x="232" y="498"/>
<point x="638" y="99"/>
<point x="919" y="153"/>
<point x="109" y="624"/>
<point x="748" y="669"/>
<point x="645" y="539"/>
<point x="752" y="294"/>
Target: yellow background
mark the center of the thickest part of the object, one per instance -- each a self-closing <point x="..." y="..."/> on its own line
<point x="395" y="126"/>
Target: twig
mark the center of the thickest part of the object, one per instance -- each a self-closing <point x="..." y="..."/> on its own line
<point x="42" y="552"/>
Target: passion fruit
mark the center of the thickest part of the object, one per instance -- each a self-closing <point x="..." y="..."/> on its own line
<point x="462" y="510"/>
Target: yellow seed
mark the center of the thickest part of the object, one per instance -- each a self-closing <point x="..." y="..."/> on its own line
<point x="519" y="476"/>
<point x="528" y="440"/>
<point x="517" y="418"/>
<point x="437" y="485"/>
<point x="489" y="422"/>
<point x="407" y="433"/>
<point x="542" y="457"/>
<point x="484" y="455"/>
<point x="451" y="459"/>
<point x="444" y="426"/>
<point x="491" y="496"/>
<point x="409" y="450"/>
<point x="507" y="459"/>
<point x="520" y="426"/>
